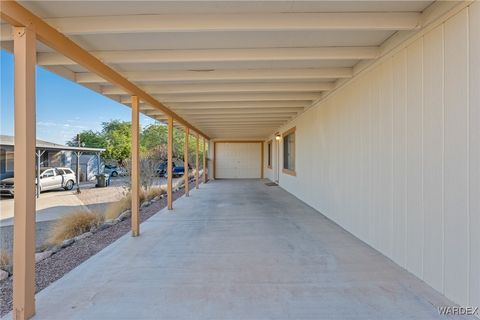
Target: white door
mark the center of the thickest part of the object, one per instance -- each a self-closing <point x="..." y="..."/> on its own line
<point x="238" y="160"/>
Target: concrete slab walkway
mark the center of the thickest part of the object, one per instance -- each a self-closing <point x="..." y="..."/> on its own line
<point x="239" y="250"/>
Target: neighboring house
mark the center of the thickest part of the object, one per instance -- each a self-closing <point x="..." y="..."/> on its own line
<point x="53" y="155"/>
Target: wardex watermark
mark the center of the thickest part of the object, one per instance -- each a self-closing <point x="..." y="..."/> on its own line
<point x="458" y="311"/>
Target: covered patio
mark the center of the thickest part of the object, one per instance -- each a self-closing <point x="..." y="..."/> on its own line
<point x="367" y="111"/>
<point x="238" y="249"/>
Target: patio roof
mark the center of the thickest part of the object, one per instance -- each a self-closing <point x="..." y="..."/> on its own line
<point x="48" y="146"/>
<point x="256" y="63"/>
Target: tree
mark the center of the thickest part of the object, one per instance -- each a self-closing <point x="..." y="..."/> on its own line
<point x="153" y="135"/>
<point x="89" y="139"/>
<point x="117" y="135"/>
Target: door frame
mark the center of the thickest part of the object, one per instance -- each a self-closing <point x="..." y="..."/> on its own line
<point x="238" y="141"/>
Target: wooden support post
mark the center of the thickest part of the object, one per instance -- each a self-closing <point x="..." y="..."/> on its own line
<point x="204" y="162"/>
<point x="135" y="167"/>
<point x="196" y="160"/>
<point x="185" y="160"/>
<point x="170" y="163"/>
<point x="24" y="163"/>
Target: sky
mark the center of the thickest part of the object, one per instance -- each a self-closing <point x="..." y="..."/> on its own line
<point x="64" y="108"/>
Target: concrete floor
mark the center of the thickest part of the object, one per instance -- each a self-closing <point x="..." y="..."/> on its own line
<point x="239" y="250"/>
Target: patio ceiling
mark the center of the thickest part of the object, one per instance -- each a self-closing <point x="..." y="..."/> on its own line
<point x="232" y="69"/>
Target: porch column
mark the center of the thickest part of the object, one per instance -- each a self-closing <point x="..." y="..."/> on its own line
<point x="185" y="160"/>
<point x="135" y="168"/>
<point x="196" y="160"/>
<point x="204" y="162"/>
<point x="170" y="163"/>
<point x="24" y="163"/>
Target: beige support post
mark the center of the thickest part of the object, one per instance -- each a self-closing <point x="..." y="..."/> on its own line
<point x="24" y="163"/>
<point x="170" y="163"/>
<point x="204" y="163"/>
<point x="196" y="161"/>
<point x="185" y="160"/>
<point x="135" y="167"/>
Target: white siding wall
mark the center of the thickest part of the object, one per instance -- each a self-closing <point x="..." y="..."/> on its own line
<point x="394" y="157"/>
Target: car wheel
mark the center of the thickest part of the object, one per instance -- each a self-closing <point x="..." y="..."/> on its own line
<point x="69" y="185"/>
<point x="114" y="173"/>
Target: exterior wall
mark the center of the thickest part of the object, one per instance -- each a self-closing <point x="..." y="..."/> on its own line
<point x="394" y="157"/>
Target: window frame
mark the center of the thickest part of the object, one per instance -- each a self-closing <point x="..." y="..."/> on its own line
<point x="269" y="154"/>
<point x="44" y="174"/>
<point x="291" y="172"/>
<point x="10" y="161"/>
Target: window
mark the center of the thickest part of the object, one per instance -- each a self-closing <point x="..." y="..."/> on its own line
<point x="9" y="161"/>
<point x="289" y="152"/>
<point x="269" y="154"/>
<point x="48" y="173"/>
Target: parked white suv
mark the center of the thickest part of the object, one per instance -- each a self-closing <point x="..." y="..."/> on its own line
<point x="50" y="178"/>
<point x="56" y="178"/>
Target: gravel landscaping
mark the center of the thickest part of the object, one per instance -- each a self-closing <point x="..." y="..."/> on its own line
<point x="55" y="266"/>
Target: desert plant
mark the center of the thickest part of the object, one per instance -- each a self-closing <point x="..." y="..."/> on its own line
<point x="74" y="224"/>
<point x="154" y="191"/>
<point x="114" y="209"/>
<point x="5" y="260"/>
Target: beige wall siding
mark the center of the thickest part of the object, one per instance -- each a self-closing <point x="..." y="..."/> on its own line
<point x="394" y="157"/>
<point x="474" y="152"/>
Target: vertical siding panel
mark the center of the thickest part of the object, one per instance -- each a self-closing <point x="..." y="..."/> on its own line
<point x="474" y="152"/>
<point x="364" y="165"/>
<point x="456" y="158"/>
<point x="399" y="157"/>
<point x="322" y="138"/>
<point x="433" y="157"/>
<point x="369" y="102"/>
<point x="385" y="156"/>
<point x="376" y="176"/>
<point x="414" y="159"/>
<point x="373" y="181"/>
